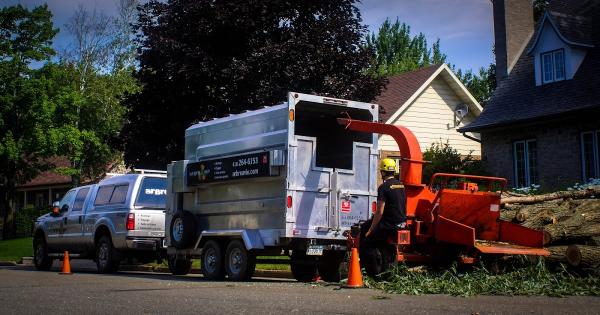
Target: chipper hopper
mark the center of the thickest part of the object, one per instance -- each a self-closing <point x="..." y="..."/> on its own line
<point x="455" y="216"/>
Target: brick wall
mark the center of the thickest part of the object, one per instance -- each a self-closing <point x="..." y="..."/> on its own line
<point x="558" y="148"/>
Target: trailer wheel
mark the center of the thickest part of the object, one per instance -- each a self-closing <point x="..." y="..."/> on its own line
<point x="212" y="261"/>
<point x="179" y="267"/>
<point x="303" y="269"/>
<point x="330" y="266"/>
<point x="182" y="229"/>
<point x="377" y="261"/>
<point x="239" y="262"/>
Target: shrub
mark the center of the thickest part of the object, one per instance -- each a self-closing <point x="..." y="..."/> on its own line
<point x="25" y="219"/>
<point x="445" y="159"/>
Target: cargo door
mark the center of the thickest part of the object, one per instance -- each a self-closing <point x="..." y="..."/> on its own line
<point x="354" y="189"/>
<point x="310" y="188"/>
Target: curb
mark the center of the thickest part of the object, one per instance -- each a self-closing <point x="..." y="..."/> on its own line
<point x="8" y="263"/>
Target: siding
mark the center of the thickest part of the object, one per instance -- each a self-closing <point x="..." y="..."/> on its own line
<point x="427" y="117"/>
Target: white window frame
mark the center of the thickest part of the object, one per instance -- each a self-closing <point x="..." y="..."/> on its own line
<point x="554" y="65"/>
<point x="528" y="181"/>
<point x="595" y="136"/>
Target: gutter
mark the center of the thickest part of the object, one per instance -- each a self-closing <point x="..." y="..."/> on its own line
<point x="464" y="133"/>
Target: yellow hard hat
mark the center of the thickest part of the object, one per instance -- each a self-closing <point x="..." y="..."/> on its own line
<point x="388" y="165"/>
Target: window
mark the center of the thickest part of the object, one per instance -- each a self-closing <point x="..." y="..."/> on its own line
<point x="80" y="199"/>
<point x="553" y="66"/>
<point x="66" y="201"/>
<point x="119" y="194"/>
<point x="590" y="154"/>
<point x="153" y="193"/>
<point x="103" y="195"/>
<point x="525" y="163"/>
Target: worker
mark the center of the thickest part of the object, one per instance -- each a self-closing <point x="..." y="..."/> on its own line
<point x="389" y="216"/>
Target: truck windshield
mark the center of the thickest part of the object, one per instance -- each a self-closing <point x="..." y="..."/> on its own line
<point x="152" y="193"/>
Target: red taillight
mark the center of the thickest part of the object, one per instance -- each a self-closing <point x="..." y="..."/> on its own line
<point x="131" y="221"/>
<point x="374" y="206"/>
<point x="289" y="202"/>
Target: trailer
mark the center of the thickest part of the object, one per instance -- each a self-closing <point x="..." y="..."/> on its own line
<point x="282" y="180"/>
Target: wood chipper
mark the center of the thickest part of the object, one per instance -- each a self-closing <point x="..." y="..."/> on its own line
<point x="459" y="221"/>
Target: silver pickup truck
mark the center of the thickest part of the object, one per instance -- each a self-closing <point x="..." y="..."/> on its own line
<point x="120" y="217"/>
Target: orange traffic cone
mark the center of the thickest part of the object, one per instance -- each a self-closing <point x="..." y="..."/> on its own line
<point x="66" y="267"/>
<point x="354" y="273"/>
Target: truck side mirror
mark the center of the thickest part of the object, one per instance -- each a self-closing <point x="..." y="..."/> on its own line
<point x="64" y="208"/>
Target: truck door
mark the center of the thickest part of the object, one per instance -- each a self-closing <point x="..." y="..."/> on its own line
<point x="354" y="189"/>
<point x="73" y="236"/>
<point x="56" y="224"/>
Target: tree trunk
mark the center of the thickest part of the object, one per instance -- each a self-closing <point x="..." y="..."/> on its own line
<point x="581" y="225"/>
<point x="558" y="254"/>
<point x="582" y="256"/>
<point x="553" y="196"/>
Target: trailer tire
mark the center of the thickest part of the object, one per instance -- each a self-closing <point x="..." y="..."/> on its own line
<point x="182" y="229"/>
<point x="330" y="266"/>
<point x="179" y="267"/>
<point x="377" y="261"/>
<point x="239" y="262"/>
<point x="212" y="261"/>
<point x="302" y="269"/>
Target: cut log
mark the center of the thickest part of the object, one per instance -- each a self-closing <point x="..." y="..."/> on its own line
<point x="558" y="254"/>
<point x="582" y="256"/>
<point x="553" y="196"/>
<point x="581" y="225"/>
<point x="508" y="215"/>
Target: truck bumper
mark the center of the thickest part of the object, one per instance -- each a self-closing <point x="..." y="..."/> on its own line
<point x="146" y="244"/>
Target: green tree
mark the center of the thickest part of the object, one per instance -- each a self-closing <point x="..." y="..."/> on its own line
<point x="201" y="59"/>
<point x="25" y="37"/>
<point x="480" y="85"/>
<point x="96" y="73"/>
<point x="396" y="51"/>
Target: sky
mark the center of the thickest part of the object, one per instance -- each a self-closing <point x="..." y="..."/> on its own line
<point x="464" y="27"/>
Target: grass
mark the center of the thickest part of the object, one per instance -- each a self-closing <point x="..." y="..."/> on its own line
<point x="521" y="280"/>
<point x="15" y="249"/>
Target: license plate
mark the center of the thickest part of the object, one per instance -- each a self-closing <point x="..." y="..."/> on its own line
<point x="315" y="250"/>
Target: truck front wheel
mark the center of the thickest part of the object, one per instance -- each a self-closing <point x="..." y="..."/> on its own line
<point x="40" y="256"/>
<point x="239" y="262"/>
<point x="212" y="261"/>
<point x="179" y="266"/>
<point x="303" y="268"/>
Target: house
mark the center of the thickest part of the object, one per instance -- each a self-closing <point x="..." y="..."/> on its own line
<point x="542" y="123"/>
<point x="432" y="103"/>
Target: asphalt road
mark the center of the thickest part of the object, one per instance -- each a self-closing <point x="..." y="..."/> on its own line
<point x="26" y="291"/>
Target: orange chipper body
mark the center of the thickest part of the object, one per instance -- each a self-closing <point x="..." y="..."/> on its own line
<point x="441" y="220"/>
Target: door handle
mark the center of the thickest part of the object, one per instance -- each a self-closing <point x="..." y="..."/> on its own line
<point x="80" y="218"/>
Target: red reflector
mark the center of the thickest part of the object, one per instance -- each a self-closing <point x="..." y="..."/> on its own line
<point x="130" y="221"/>
<point x="374" y="206"/>
<point x="289" y="201"/>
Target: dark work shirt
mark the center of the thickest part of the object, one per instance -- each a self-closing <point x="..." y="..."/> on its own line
<point x="394" y="212"/>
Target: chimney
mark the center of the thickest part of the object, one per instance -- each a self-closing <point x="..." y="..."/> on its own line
<point x="513" y="27"/>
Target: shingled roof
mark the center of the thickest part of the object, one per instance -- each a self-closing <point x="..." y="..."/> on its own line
<point x="518" y="99"/>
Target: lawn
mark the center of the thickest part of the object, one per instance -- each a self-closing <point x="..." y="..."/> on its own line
<point x="15" y="249"/>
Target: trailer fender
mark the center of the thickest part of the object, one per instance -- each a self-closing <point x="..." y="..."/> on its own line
<point x="252" y="238"/>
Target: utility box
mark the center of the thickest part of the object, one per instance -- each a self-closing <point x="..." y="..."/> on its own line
<point x="285" y="177"/>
